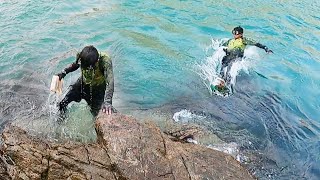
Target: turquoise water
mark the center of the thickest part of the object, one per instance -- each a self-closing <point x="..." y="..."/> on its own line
<point x="157" y="47"/>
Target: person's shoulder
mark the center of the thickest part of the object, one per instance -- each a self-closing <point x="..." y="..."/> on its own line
<point x="104" y="55"/>
<point x="249" y="40"/>
<point x="105" y="59"/>
<point x="226" y="42"/>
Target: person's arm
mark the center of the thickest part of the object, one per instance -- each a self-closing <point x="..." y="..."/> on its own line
<point x="108" y="74"/>
<point x="72" y="67"/>
<point x="253" y="43"/>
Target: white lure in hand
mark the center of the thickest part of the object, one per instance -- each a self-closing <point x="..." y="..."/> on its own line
<point x="56" y="85"/>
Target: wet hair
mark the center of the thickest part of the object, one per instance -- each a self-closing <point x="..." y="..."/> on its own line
<point x="237" y="30"/>
<point x="88" y="56"/>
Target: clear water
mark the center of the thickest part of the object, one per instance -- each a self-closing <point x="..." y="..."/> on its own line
<point x="157" y="48"/>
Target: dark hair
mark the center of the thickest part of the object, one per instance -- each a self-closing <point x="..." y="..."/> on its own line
<point x="88" y="56"/>
<point x="237" y="30"/>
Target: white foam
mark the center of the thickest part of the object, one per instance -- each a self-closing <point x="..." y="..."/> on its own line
<point x="185" y="116"/>
<point x="190" y="140"/>
<point x="229" y="148"/>
<point x="209" y="69"/>
<point x="232" y="149"/>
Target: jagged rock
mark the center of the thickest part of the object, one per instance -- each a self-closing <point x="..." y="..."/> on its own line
<point x="125" y="149"/>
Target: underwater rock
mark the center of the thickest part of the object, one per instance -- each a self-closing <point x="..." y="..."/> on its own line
<point x="125" y="149"/>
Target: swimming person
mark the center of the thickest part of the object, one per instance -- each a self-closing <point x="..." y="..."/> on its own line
<point x="235" y="50"/>
<point x="96" y="83"/>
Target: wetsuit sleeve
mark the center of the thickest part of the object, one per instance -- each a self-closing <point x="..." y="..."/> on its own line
<point x="108" y="74"/>
<point x="253" y="43"/>
<point x="261" y="46"/>
<point x="72" y="67"/>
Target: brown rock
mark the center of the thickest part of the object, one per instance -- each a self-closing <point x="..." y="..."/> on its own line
<point x="142" y="151"/>
<point x="125" y="149"/>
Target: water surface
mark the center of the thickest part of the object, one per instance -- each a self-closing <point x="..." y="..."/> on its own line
<point x="157" y="47"/>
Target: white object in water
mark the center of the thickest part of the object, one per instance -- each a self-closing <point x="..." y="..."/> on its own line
<point x="186" y="116"/>
<point x="56" y="85"/>
<point x="190" y="140"/>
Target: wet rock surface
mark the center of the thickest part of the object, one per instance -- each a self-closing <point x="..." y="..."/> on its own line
<point x="125" y="149"/>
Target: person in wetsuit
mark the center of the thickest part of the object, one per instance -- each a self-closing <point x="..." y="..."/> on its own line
<point x="95" y="84"/>
<point x="235" y="50"/>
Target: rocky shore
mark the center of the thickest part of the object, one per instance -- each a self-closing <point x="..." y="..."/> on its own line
<point x="125" y="149"/>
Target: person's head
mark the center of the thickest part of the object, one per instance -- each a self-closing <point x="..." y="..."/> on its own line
<point x="88" y="57"/>
<point x="237" y="32"/>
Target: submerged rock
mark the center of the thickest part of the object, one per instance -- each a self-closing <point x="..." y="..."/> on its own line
<point x="125" y="149"/>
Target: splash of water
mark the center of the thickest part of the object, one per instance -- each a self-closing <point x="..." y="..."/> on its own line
<point x="185" y="116"/>
<point x="209" y="69"/>
<point x="77" y="125"/>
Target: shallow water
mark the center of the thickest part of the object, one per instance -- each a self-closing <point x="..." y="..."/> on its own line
<point x="157" y="47"/>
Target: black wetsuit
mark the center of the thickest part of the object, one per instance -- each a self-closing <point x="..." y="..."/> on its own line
<point x="95" y="87"/>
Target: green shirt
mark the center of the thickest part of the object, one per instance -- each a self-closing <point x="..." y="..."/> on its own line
<point x="96" y="76"/>
<point x="238" y="45"/>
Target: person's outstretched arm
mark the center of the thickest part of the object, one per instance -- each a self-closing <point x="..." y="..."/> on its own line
<point x="108" y="74"/>
<point x="253" y="43"/>
<point x="72" y="67"/>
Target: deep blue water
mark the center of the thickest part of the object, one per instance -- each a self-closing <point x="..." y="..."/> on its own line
<point x="157" y="47"/>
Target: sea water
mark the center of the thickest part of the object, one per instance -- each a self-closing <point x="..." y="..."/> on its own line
<point x="159" y="51"/>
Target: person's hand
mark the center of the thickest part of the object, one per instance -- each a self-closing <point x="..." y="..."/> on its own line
<point x="269" y="51"/>
<point x="61" y="75"/>
<point x="107" y="108"/>
<point x="225" y="50"/>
